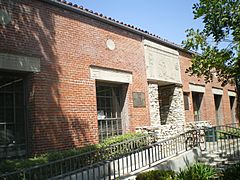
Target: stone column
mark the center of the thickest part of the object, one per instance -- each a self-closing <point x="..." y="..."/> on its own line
<point x="171" y="111"/>
<point x="154" y="104"/>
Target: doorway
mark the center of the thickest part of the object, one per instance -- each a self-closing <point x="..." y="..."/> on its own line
<point x="232" y="107"/>
<point x="12" y="116"/>
<point x="217" y="100"/>
<point x="197" y="101"/>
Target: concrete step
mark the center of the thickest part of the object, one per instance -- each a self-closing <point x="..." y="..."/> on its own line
<point x="212" y="164"/>
<point x="222" y="154"/>
<point x="234" y="158"/>
<point x="203" y="160"/>
<point x="231" y="162"/>
<point x="222" y="166"/>
<point x="220" y="169"/>
<point x="221" y="160"/>
<point x="204" y="153"/>
<point x="218" y="152"/>
<point x="213" y="156"/>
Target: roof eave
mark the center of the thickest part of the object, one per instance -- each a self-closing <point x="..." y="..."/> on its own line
<point x="116" y="24"/>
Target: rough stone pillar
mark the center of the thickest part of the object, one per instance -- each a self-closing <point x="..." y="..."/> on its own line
<point x="154" y="104"/>
<point x="171" y="111"/>
<point x="177" y="106"/>
<point x="171" y="105"/>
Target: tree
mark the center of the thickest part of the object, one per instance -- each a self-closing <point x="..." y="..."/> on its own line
<point x="218" y="43"/>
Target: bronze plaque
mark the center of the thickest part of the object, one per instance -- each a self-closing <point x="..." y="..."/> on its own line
<point x="139" y="99"/>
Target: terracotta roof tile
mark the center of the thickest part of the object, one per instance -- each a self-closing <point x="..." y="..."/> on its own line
<point x="100" y="15"/>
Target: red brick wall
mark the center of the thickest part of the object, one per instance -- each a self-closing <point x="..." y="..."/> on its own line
<point x="62" y="110"/>
<point x="208" y="106"/>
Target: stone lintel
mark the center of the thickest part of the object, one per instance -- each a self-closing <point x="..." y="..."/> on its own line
<point x="111" y="75"/>
<point x="19" y="63"/>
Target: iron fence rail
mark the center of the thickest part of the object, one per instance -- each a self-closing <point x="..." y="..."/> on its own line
<point x="222" y="139"/>
<point x="123" y="164"/>
<point x="62" y="166"/>
<point x="121" y="159"/>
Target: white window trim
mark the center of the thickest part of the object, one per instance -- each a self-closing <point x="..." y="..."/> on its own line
<point x="197" y="88"/>
<point x="217" y="91"/>
<point x="232" y="93"/>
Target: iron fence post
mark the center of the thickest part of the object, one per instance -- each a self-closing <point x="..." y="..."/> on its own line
<point x="149" y="157"/>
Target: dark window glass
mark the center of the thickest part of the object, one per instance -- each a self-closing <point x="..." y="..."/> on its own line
<point x="197" y="101"/>
<point x="19" y="100"/>
<point x="9" y="115"/>
<point x="232" y="106"/>
<point x="1" y="99"/>
<point x="9" y="99"/>
<point x="12" y="124"/>
<point x="186" y="101"/>
<point x="218" y="109"/>
<point x="2" y="112"/>
<point x="2" y="134"/>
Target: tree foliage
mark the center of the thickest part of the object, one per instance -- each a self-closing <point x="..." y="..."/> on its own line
<point x="218" y="41"/>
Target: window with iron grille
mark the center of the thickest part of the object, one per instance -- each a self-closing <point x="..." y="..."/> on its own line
<point x="12" y="122"/>
<point x="109" y="111"/>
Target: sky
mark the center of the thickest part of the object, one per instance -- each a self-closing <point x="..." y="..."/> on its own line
<point x="166" y="18"/>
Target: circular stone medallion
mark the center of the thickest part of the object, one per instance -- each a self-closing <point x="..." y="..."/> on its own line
<point x="5" y="18"/>
<point x="110" y="44"/>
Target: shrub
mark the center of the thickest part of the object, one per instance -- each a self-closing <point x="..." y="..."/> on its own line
<point x="231" y="133"/>
<point x="18" y="164"/>
<point x="233" y="172"/>
<point x="56" y="155"/>
<point x="221" y="135"/>
<point x="197" y="171"/>
<point x="157" y="175"/>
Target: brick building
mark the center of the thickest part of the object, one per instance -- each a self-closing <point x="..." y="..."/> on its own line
<point x="207" y="102"/>
<point x="71" y="77"/>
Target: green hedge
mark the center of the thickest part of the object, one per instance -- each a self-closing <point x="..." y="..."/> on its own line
<point x="157" y="175"/>
<point x="197" y="171"/>
<point x="232" y="133"/>
<point x="233" y="172"/>
<point x="18" y="164"/>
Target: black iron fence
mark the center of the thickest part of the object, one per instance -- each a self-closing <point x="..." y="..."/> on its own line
<point x="120" y="160"/>
<point x="62" y="166"/>
<point x="224" y="139"/>
<point x="125" y="163"/>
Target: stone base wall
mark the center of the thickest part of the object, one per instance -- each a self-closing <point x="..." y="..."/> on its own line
<point x="163" y="131"/>
<point x="168" y="131"/>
